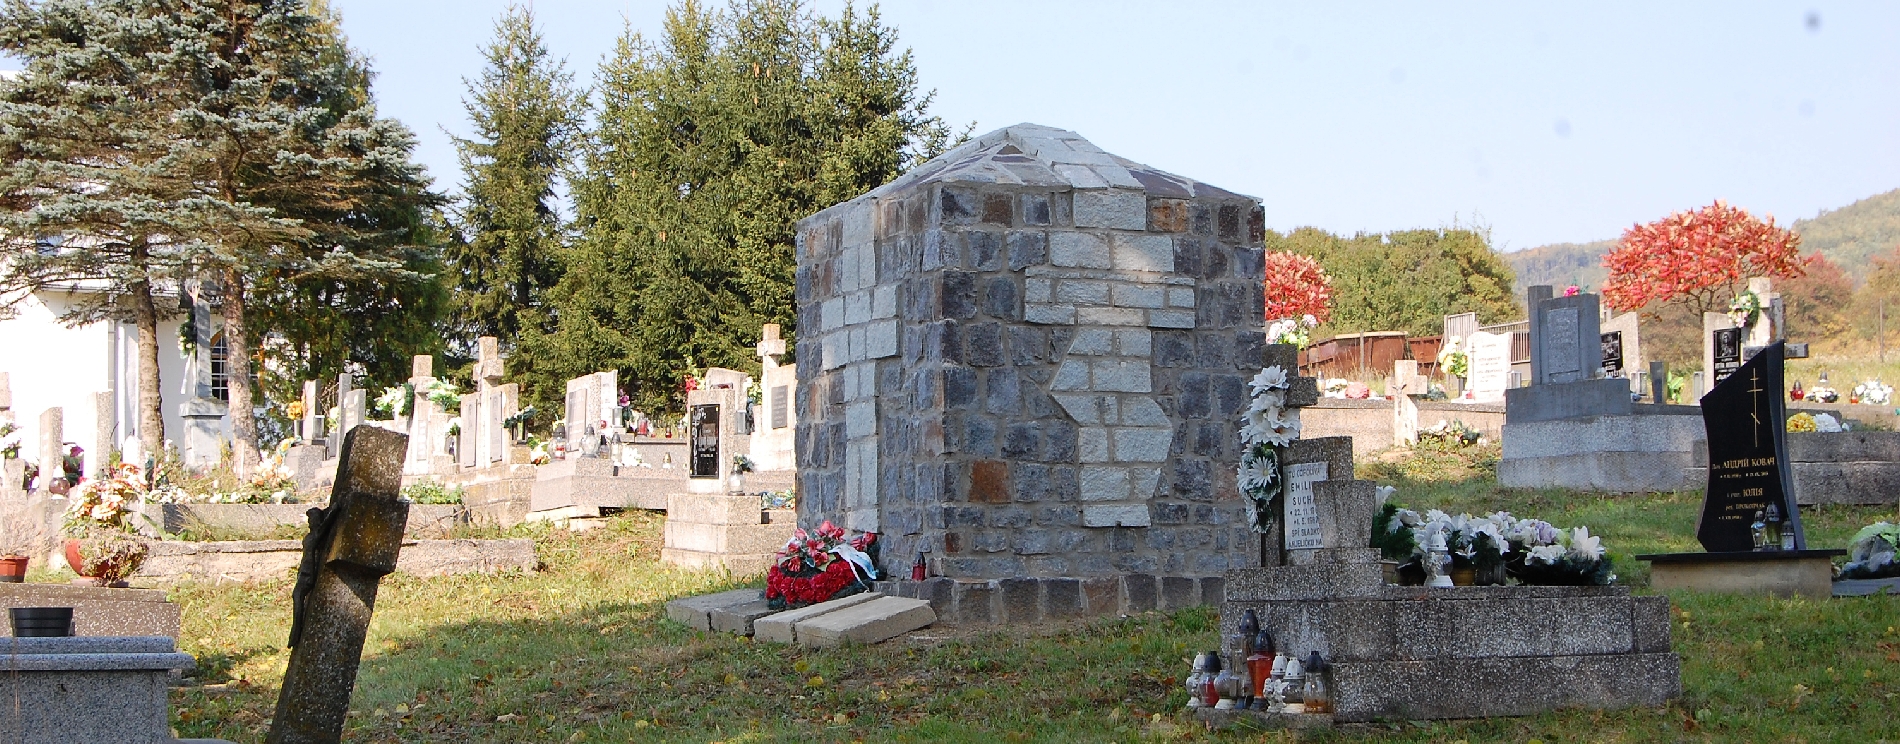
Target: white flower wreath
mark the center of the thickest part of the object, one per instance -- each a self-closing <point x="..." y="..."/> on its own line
<point x="1267" y="425"/>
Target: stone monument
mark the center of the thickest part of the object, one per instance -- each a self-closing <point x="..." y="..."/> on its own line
<point x="351" y="545"/>
<point x="1023" y="360"/>
<point x="1488" y="361"/>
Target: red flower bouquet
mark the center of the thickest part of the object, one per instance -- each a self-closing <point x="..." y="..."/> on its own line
<point x="808" y="570"/>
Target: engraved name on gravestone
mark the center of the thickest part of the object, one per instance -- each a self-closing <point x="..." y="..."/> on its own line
<point x="1302" y="515"/>
<point x="1560" y="328"/>
<point x="1727" y="344"/>
<point x="1748" y="455"/>
<point x="1488" y="365"/>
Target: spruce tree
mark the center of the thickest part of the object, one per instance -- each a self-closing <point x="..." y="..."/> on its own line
<point x="526" y="115"/>
<point x="710" y="146"/>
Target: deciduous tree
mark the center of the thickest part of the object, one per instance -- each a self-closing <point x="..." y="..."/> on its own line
<point x="1407" y="280"/>
<point x="1296" y="286"/>
<point x="1698" y="259"/>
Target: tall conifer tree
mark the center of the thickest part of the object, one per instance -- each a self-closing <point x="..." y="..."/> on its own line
<point x="526" y="115"/>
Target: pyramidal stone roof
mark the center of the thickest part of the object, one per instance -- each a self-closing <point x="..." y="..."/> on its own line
<point x="1039" y="156"/>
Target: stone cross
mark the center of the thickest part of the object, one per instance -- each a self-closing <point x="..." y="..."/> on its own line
<point x="770" y="347"/>
<point x="488" y="364"/>
<point x="421" y="368"/>
<point x="351" y="545"/>
<point x="310" y="431"/>
<point x="1405" y="379"/>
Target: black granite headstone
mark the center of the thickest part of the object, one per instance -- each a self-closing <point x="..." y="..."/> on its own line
<point x="1748" y="455"/>
<point x="705" y="420"/>
<point x="1612" y="353"/>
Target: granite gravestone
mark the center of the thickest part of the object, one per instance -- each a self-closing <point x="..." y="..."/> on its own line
<point x="1726" y="353"/>
<point x="1748" y="455"/>
<point x="705" y="420"/>
<point x="352" y="544"/>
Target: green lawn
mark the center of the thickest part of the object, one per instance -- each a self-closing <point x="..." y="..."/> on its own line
<point x="579" y="652"/>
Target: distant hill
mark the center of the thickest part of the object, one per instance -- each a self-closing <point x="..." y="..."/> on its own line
<point x="1851" y="236"/>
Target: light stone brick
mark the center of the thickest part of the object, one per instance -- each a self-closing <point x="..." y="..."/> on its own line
<point x="860" y="418"/>
<point x="1082" y="292"/>
<point x="1144" y="253"/>
<point x="859" y="223"/>
<point x="857" y="346"/>
<point x="848" y="382"/>
<point x="1081" y="157"/>
<point x="1092" y="445"/>
<point x="833" y="348"/>
<point x="1072" y="375"/>
<point x="867" y="266"/>
<point x="862" y="520"/>
<point x="847" y="270"/>
<point x="1141" y="444"/>
<point x="1104" y="483"/>
<point x="884" y="302"/>
<point x="1115" y="516"/>
<point x="1049" y="314"/>
<point x="1117" y="176"/>
<point x="881" y="339"/>
<point x="1082" y="408"/>
<point x="1080" y="176"/>
<point x="1079" y="249"/>
<point x="1126" y="316"/>
<point x="1116" y="210"/>
<point x="1181" y="297"/>
<point x="1121" y="376"/>
<point x="1038" y="290"/>
<point x="1138" y="295"/>
<point x="857" y="308"/>
<point x="1143" y="412"/>
<point x="1143" y="483"/>
<point x="1134" y="342"/>
<point x="831" y="314"/>
<point x="1092" y="342"/>
<point x="1170" y="319"/>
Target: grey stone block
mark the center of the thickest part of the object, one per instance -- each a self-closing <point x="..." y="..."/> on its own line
<point x="1142" y="593"/>
<point x="1607" y="397"/>
<point x="1021" y="600"/>
<point x="1179" y="592"/>
<point x="737" y="618"/>
<point x="105" y="689"/>
<point x="975" y="603"/>
<point x="1465" y="688"/>
<point x="98" y="611"/>
<point x="1314" y="582"/>
<point x="1649" y="625"/>
<point x="779" y="626"/>
<point x="878" y="620"/>
<point x="1062" y="598"/>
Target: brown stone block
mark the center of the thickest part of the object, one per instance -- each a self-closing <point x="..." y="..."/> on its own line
<point x="1167" y="215"/>
<point x="989" y="482"/>
<point x="1102" y="595"/>
<point x="997" y="209"/>
<point x="975" y="603"/>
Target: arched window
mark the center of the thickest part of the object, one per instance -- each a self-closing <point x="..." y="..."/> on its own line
<point x="220" y="369"/>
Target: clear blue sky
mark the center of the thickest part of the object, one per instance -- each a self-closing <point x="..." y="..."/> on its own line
<point x="1546" y="122"/>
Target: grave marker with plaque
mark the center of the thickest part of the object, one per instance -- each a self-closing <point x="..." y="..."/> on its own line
<point x="705" y="421"/>
<point x="1748" y="455"/>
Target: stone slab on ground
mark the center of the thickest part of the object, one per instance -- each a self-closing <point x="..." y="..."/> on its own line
<point x="1866" y="587"/>
<point x="779" y="626"/>
<point x="693" y="612"/>
<point x="881" y="619"/>
<point x="264" y="560"/>
<point x="1804" y="573"/>
<point x="738" y="618"/>
<point x="98" y="611"/>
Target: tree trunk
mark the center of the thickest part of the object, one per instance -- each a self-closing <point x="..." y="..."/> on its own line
<point x="237" y="366"/>
<point x="151" y="406"/>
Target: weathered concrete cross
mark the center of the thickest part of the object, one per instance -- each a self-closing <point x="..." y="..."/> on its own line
<point x="351" y="546"/>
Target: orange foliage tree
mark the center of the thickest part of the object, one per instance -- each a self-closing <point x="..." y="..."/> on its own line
<point x="1296" y="286"/>
<point x="1699" y="259"/>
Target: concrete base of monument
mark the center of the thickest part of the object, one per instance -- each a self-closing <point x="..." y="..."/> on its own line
<point x="1463" y="652"/>
<point x="1567" y="400"/>
<point x="1260" y="720"/>
<point x="90" y="689"/>
<point x="1849" y="467"/>
<point x="590" y="484"/>
<point x="1650" y="450"/>
<point x="727" y="531"/>
<point x="1781" y="573"/>
<point x="1031" y="599"/>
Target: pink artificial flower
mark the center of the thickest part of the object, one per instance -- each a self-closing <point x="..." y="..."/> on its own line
<point x="1572" y="291"/>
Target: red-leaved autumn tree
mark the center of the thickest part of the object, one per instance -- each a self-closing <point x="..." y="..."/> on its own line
<point x="1297" y="286"/>
<point x="1699" y="260"/>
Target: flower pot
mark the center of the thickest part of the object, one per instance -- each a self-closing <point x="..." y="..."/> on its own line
<point x="1464" y="576"/>
<point x="78" y="563"/>
<point x="13" y="569"/>
<point x="1492" y="575"/>
<point x="735" y="483"/>
<point x="42" y="622"/>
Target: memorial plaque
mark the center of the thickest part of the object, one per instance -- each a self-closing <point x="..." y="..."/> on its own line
<point x="497" y="433"/>
<point x="1612" y="353"/>
<point x="1748" y="455"/>
<point x="1560" y="340"/>
<point x="705" y="422"/>
<point x="779" y="406"/>
<point x="1728" y="353"/>
<point x="1302" y="516"/>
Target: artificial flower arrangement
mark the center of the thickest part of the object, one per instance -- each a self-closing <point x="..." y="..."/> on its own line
<point x="786" y="499"/>
<point x="1871" y="554"/>
<point x="1298" y="332"/>
<point x="395" y="401"/>
<point x="271" y="482"/>
<point x="1335" y="387"/>
<point x="443" y="394"/>
<point x="1873" y="392"/>
<point x="1267" y="425"/>
<point x="1744" y="309"/>
<point x="1531" y="550"/>
<point x="819" y="566"/>
<point x="1455" y="432"/>
<point x="9" y="444"/>
<point x="1452" y="359"/>
<point x="1801" y="422"/>
<point x="1822" y="393"/>
<point x="102" y="544"/>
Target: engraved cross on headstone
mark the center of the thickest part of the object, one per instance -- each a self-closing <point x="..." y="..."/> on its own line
<point x="351" y="545"/>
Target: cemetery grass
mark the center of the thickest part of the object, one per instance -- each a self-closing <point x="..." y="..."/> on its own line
<point x="579" y="652"/>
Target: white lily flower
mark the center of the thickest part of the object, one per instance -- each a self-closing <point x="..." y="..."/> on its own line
<point x="1271" y="378"/>
<point x="1584" y="545"/>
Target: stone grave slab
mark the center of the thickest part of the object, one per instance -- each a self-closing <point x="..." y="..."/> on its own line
<point x="111" y="689"/>
<point x="878" y="620"/>
<point x="98" y="611"/>
<point x="779" y="626"/>
<point x="737" y="619"/>
<point x="695" y="612"/>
